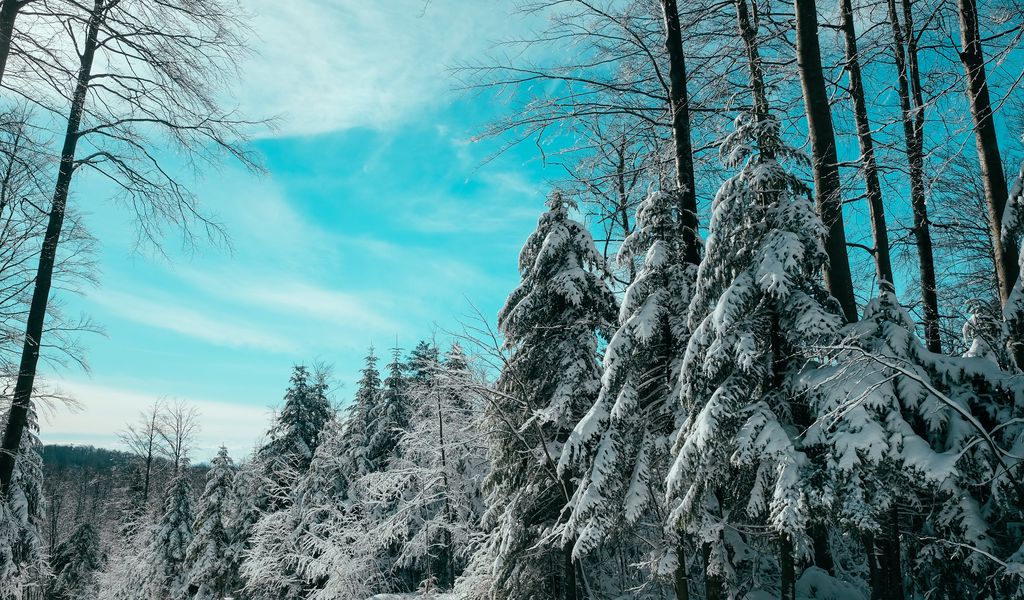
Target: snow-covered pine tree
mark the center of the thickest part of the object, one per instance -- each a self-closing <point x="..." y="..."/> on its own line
<point x="23" y="556"/>
<point x="550" y="324"/>
<point x="1013" y="310"/>
<point x="389" y="416"/>
<point x="423" y="361"/>
<point x="76" y="565"/>
<point x="621" y="447"/>
<point x="132" y="510"/>
<point x="270" y="567"/>
<point x="250" y="497"/>
<point x="921" y="456"/>
<point x="171" y="537"/>
<point x="334" y="556"/>
<point x="423" y="509"/>
<point x="294" y="437"/>
<point x="758" y="310"/>
<point x="357" y="425"/>
<point x="267" y="485"/>
<point x="337" y="558"/>
<point x="209" y="556"/>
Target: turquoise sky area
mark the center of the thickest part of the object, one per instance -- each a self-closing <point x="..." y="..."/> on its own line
<point x="377" y="220"/>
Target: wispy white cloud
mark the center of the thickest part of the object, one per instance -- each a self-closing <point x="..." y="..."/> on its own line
<point x="285" y="295"/>
<point x="171" y="316"/>
<point x="325" y="65"/>
<point x="103" y="410"/>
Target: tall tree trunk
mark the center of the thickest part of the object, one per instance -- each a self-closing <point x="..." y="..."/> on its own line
<point x="767" y="138"/>
<point x="683" y="146"/>
<point x="22" y="400"/>
<point x="787" y="591"/>
<point x="912" y="116"/>
<point x="1004" y="249"/>
<point x="891" y="558"/>
<point x="8" y="15"/>
<point x="679" y="103"/>
<point x="448" y="561"/>
<point x="827" y="190"/>
<point x="569" y="568"/>
<point x="876" y="581"/>
<point x="872" y="187"/>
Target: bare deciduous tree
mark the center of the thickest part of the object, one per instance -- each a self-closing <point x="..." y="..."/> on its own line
<point x="144" y="75"/>
<point x="177" y="427"/>
<point x="143" y="438"/>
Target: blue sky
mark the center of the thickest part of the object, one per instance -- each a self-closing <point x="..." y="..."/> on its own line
<point x="377" y="218"/>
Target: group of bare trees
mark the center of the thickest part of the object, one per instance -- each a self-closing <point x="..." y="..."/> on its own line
<point x="128" y="93"/>
<point x="884" y="88"/>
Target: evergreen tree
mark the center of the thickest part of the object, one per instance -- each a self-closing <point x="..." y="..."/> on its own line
<point x="389" y="417"/>
<point x="905" y="427"/>
<point x="296" y="432"/>
<point x="550" y="323"/>
<point x="76" y="564"/>
<point x="357" y="423"/>
<point x="23" y="557"/>
<point x="1013" y="232"/>
<point x="166" y="555"/>
<point x="132" y="510"/>
<point x="250" y="497"/>
<point x="288" y="545"/>
<point x="621" y="447"/>
<point x="758" y="311"/>
<point x="423" y="361"/>
<point x="422" y="511"/>
<point x="208" y="560"/>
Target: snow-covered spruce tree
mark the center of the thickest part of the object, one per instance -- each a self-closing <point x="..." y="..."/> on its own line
<point x="1013" y="309"/>
<point x="250" y="497"/>
<point x="423" y="361"/>
<point x="294" y="437"/>
<point x="270" y="568"/>
<point x="131" y="510"/>
<point x="357" y="425"/>
<point x="336" y="557"/>
<point x="550" y="324"/>
<point x="621" y="447"/>
<point x="424" y="508"/>
<point x="77" y="563"/>
<point x="389" y="416"/>
<point x="23" y="557"/>
<point x="209" y="556"/>
<point x="921" y="455"/>
<point x="739" y="473"/>
<point x="165" y="556"/>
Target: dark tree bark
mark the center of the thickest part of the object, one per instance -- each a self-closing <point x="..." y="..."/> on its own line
<point x="8" y="15"/>
<point x="912" y="116"/>
<point x="827" y="190"/>
<point x="681" y="579"/>
<point x="683" y="146"/>
<point x="891" y="559"/>
<point x="686" y="184"/>
<point x="22" y="399"/>
<point x="986" y="140"/>
<point x="766" y="136"/>
<point x="787" y="591"/>
<point x="869" y="166"/>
